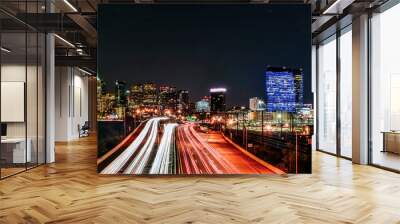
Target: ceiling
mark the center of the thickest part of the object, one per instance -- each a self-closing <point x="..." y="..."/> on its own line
<point x="75" y="20"/>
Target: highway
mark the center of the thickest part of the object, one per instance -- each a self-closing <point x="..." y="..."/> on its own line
<point x="212" y="154"/>
<point x="196" y="156"/>
<point x="142" y="158"/>
<point x="135" y="157"/>
<point x="183" y="150"/>
<point x="164" y="163"/>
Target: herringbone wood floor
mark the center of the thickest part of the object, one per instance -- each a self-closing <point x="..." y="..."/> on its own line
<point x="70" y="191"/>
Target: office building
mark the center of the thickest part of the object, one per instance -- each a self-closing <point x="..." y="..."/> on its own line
<point x="191" y="108"/>
<point x="183" y="100"/>
<point x="150" y="94"/>
<point x="298" y="87"/>
<point x="283" y="89"/>
<point x="256" y="104"/>
<point x="105" y="105"/>
<point x="203" y="106"/>
<point x="101" y="87"/>
<point x="136" y="95"/>
<point x="218" y="100"/>
<point x="121" y="98"/>
<point x="167" y="97"/>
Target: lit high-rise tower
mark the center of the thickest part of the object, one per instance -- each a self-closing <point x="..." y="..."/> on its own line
<point x="283" y="89"/>
<point x="120" y="93"/>
<point x="150" y="94"/>
<point x="218" y="97"/>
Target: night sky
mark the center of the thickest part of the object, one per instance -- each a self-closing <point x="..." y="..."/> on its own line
<point x="196" y="47"/>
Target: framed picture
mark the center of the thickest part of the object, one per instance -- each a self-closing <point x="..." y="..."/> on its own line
<point x="204" y="89"/>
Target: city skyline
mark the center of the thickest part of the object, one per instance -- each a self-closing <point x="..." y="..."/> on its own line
<point x="169" y="48"/>
<point x="207" y="94"/>
<point x="130" y="89"/>
<point x="111" y="88"/>
<point x="181" y="82"/>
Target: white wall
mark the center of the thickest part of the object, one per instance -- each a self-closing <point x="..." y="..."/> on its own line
<point x="14" y="73"/>
<point x="33" y="127"/>
<point x="80" y="112"/>
<point x="71" y="102"/>
<point x="62" y="81"/>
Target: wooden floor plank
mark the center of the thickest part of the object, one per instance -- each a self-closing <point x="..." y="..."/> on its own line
<point x="71" y="191"/>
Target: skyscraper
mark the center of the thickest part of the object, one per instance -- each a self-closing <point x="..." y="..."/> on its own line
<point x="218" y="98"/>
<point x="149" y="94"/>
<point x="283" y="89"/>
<point x="120" y="93"/>
<point x="167" y="97"/>
<point x="183" y="100"/>
<point x="298" y="87"/>
<point x="256" y="103"/>
<point x="101" y="87"/>
<point x="105" y="105"/>
<point x="203" y="106"/>
<point x="136" y="95"/>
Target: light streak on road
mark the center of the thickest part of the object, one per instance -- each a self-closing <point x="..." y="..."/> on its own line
<point x="190" y="163"/>
<point x="117" y="164"/>
<point x="141" y="159"/>
<point x="199" y="155"/>
<point x="219" y="159"/>
<point x="162" y="160"/>
<point x="193" y="158"/>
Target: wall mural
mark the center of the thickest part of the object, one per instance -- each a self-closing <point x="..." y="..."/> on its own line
<point x="204" y="89"/>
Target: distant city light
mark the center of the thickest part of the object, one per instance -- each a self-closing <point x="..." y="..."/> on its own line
<point x="217" y="90"/>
